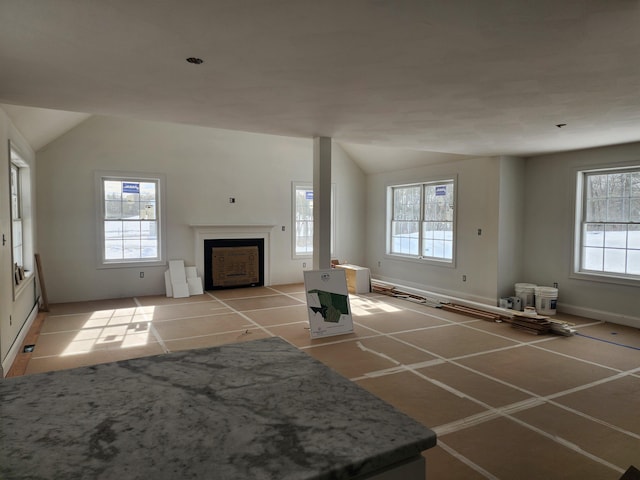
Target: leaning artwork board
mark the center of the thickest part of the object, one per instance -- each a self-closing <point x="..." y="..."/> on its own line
<point x="327" y="302"/>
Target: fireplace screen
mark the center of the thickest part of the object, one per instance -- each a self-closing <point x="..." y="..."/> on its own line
<point x="233" y="263"/>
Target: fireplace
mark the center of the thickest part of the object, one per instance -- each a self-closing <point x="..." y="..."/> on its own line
<point x="233" y="263"/>
<point x="204" y="232"/>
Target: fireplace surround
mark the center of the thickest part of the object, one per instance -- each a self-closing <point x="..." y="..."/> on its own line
<point x="237" y="234"/>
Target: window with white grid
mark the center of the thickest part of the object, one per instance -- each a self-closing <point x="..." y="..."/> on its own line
<point x="130" y="219"/>
<point x="421" y="221"/>
<point x="608" y="231"/>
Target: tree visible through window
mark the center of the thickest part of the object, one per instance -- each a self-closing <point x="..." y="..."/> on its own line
<point x="422" y="220"/>
<point x="610" y="222"/>
<point x="303" y="219"/>
<point x="16" y="216"/>
<point x="130" y="221"/>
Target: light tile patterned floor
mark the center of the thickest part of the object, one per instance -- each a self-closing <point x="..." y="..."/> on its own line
<point x="505" y="404"/>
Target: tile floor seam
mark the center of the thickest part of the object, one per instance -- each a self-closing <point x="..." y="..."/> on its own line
<point x="217" y="334"/>
<point x="174" y="304"/>
<point x="485" y="416"/>
<point x="468" y="462"/>
<point x="290" y="295"/>
<point x="567" y="444"/>
<point x="493" y="413"/>
<point x="153" y="330"/>
<point x="533" y="396"/>
<point x="583" y="360"/>
<point x="420" y="329"/>
<point x="380" y="354"/>
<point x="595" y="383"/>
<point x="287" y="323"/>
<point x="212" y="295"/>
<point x="337" y="342"/>
<point x="545" y="399"/>
<point x="594" y="419"/>
<point x="539" y="340"/>
<point x="191" y="317"/>
<point x="264" y="329"/>
<point x="486" y="352"/>
<point x="402" y="367"/>
<point x="268" y="308"/>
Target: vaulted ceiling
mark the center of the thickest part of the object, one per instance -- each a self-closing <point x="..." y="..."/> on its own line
<point x="461" y="77"/>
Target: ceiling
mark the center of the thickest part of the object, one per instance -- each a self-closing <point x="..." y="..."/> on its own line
<point x="461" y="77"/>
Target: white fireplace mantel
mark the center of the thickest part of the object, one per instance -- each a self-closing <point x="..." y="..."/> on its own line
<point x="204" y="232"/>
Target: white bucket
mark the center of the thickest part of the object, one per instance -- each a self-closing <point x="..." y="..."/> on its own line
<point x="526" y="292"/>
<point x="546" y="299"/>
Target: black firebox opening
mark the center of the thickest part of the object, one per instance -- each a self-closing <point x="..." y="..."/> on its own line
<point x="233" y="263"/>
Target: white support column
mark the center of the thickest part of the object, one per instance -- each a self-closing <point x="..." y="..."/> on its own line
<point x="321" y="203"/>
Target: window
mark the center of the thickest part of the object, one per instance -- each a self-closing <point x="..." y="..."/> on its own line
<point x="21" y="218"/>
<point x="303" y="219"/>
<point x="608" y="222"/>
<point x="130" y="226"/>
<point x="16" y="216"/>
<point x="422" y="220"/>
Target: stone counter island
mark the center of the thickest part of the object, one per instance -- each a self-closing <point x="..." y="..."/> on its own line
<point x="254" y="410"/>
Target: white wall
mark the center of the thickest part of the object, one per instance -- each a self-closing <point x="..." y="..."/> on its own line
<point x="203" y="168"/>
<point x="350" y="209"/>
<point x="476" y="255"/>
<point x="511" y="225"/>
<point x="14" y="312"/>
<point x="549" y="220"/>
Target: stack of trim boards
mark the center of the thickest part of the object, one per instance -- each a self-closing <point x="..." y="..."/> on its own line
<point x="181" y="281"/>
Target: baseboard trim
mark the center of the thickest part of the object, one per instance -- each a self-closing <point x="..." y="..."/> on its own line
<point x="445" y="295"/>
<point x="488" y="304"/>
<point x="17" y="344"/>
<point x="601" y="315"/>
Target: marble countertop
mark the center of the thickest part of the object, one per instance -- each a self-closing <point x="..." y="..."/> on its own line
<point x="254" y="410"/>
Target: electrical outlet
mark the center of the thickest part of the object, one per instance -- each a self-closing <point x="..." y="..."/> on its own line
<point x="479" y="231"/>
<point x="304" y="264"/>
<point x="464" y="278"/>
<point x="141" y="274"/>
<point x="283" y="228"/>
<point x="232" y="199"/>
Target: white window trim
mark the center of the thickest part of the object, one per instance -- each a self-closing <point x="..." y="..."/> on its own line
<point x="578" y="203"/>
<point x="389" y="213"/>
<point x="25" y="188"/>
<point x="309" y="185"/>
<point x="133" y="176"/>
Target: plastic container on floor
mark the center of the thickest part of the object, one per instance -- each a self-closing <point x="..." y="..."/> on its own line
<point x="526" y="292"/>
<point x="546" y="300"/>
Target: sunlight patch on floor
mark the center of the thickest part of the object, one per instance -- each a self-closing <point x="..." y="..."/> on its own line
<point x="366" y="306"/>
<point x="108" y="329"/>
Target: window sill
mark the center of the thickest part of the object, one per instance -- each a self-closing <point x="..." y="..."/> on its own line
<point x="421" y="260"/>
<point x="22" y="286"/>
<point x="134" y="264"/>
<point x="606" y="278"/>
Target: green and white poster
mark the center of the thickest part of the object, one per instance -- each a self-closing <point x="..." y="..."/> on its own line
<point x="328" y="302"/>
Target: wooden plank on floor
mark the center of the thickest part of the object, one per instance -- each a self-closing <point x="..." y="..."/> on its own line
<point x="471" y="312"/>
